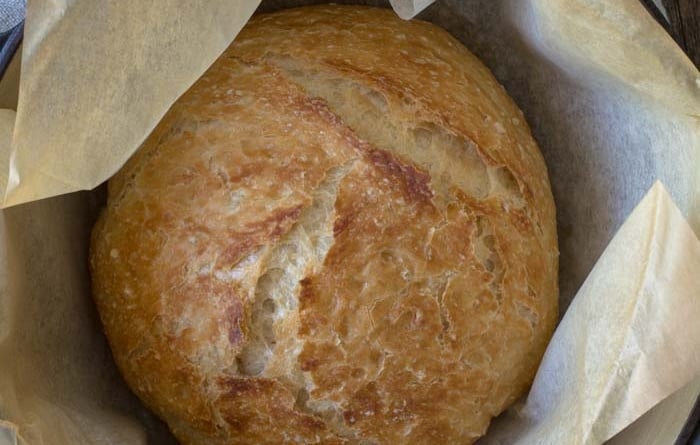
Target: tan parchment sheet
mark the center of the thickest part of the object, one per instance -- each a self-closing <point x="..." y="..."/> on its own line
<point x="612" y="101"/>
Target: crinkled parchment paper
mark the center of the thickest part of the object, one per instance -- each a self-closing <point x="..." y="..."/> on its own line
<point x="612" y="101"/>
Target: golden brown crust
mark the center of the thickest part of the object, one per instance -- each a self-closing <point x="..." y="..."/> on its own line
<point x="342" y="233"/>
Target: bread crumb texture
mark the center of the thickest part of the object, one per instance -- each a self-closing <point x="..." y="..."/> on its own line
<point x="343" y="233"/>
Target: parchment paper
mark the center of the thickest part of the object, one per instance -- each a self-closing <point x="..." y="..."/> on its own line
<point x="617" y="351"/>
<point x="407" y="9"/>
<point x="613" y="103"/>
<point x="98" y="77"/>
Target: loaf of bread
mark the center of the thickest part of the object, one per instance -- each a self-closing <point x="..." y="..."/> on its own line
<point x="343" y="233"/>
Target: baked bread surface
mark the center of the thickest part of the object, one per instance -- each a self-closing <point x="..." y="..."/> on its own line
<point x="343" y="233"/>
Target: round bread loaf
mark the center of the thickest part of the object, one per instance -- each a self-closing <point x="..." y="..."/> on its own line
<point x="343" y="233"/>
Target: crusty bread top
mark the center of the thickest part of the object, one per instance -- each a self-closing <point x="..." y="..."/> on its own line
<point x="342" y="233"/>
